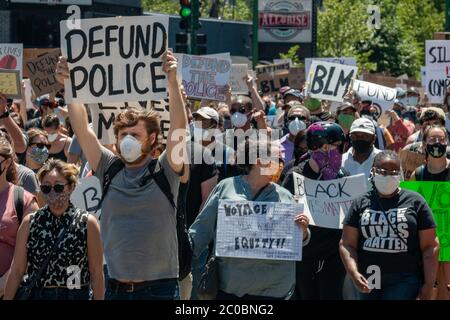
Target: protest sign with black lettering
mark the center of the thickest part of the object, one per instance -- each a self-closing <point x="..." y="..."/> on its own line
<point x="327" y="202"/>
<point x="237" y="82"/>
<point x="115" y="59"/>
<point x="272" y="82"/>
<point x="437" y="63"/>
<point x="41" y="71"/>
<point x="258" y="230"/>
<point x="162" y="107"/>
<point x="205" y="77"/>
<point x="330" y="81"/>
<point x="381" y="96"/>
<point x="349" y="61"/>
<point x="87" y="195"/>
<point x="10" y="83"/>
<point x="11" y="56"/>
<point x="437" y="195"/>
<point x="272" y="68"/>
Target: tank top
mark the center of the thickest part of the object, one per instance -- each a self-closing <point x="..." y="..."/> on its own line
<point x="59" y="155"/>
<point x="71" y="252"/>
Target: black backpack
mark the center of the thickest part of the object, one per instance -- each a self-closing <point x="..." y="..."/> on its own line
<point x="184" y="245"/>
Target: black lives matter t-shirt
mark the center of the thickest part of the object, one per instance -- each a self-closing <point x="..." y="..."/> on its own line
<point x="394" y="249"/>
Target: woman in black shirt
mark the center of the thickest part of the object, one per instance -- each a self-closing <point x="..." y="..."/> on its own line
<point x="389" y="245"/>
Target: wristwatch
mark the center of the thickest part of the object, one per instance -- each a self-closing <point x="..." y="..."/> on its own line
<point x="5" y="114"/>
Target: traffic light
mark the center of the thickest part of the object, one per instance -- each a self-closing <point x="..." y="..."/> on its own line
<point x="185" y="14"/>
<point x="182" y="43"/>
<point x="201" y="43"/>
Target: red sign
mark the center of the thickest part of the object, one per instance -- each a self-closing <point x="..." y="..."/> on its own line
<point x="293" y="20"/>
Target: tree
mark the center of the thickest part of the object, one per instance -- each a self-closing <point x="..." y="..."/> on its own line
<point x="292" y="54"/>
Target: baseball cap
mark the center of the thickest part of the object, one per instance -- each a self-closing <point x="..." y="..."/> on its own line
<point x="293" y="92"/>
<point x="345" y="104"/>
<point x="363" y="125"/>
<point x="207" y="113"/>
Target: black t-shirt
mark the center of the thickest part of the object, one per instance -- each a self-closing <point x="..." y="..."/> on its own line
<point x="422" y="174"/>
<point x="324" y="241"/>
<point x="378" y="243"/>
<point x="199" y="173"/>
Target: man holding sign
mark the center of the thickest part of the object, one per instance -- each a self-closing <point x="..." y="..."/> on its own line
<point x="140" y="240"/>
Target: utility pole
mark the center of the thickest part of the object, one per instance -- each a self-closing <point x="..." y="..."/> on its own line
<point x="195" y="25"/>
<point x="255" y="33"/>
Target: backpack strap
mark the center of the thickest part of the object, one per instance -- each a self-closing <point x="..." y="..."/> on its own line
<point x="161" y="180"/>
<point x="18" y="202"/>
<point x="109" y="175"/>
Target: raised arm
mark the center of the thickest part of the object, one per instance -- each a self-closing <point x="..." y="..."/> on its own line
<point x="257" y="101"/>
<point x="79" y="120"/>
<point x="11" y="127"/>
<point x="176" y="144"/>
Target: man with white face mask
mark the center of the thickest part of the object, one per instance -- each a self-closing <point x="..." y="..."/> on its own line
<point x="298" y="119"/>
<point x="138" y="220"/>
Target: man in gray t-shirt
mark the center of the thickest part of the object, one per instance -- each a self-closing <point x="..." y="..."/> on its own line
<point x="27" y="179"/>
<point x="138" y="223"/>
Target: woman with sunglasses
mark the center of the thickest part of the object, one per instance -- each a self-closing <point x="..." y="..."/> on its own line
<point x="38" y="149"/>
<point x="10" y="215"/>
<point x="389" y="245"/>
<point x="58" y="247"/>
<point x="436" y="168"/>
<point x="244" y="279"/>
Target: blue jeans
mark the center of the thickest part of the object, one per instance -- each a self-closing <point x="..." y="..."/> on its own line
<point x="167" y="290"/>
<point x="198" y="267"/>
<point x="60" y="294"/>
<point x="398" y="286"/>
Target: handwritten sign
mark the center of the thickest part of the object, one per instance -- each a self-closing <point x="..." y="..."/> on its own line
<point x="87" y="195"/>
<point x="11" y="56"/>
<point x="205" y="77"/>
<point x="237" y="82"/>
<point x="258" y="230"/>
<point x="437" y="195"/>
<point x="382" y="96"/>
<point x="115" y="59"/>
<point x="349" y="61"/>
<point x="327" y="202"/>
<point x="162" y="107"/>
<point x="330" y="81"/>
<point x="272" y="68"/>
<point x="10" y="83"/>
<point x="437" y="71"/>
<point x="41" y="71"/>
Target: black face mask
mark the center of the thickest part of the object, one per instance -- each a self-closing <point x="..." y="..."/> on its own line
<point x="436" y="150"/>
<point x="361" y="146"/>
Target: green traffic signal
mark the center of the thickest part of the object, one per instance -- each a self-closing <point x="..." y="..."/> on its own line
<point x="185" y="12"/>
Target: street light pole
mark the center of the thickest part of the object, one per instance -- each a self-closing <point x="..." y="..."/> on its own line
<point x="195" y="25"/>
<point x="255" y="33"/>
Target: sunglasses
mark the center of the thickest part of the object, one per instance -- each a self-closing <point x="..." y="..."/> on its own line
<point x="57" y="187"/>
<point x="241" y="110"/>
<point x="301" y="118"/>
<point x="384" y="172"/>
<point x="40" y="145"/>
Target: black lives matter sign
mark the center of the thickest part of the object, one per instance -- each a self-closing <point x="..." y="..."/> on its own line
<point x="115" y="59"/>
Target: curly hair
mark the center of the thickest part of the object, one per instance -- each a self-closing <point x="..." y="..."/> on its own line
<point x="67" y="170"/>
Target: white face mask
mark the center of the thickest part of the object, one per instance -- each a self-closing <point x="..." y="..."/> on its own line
<point x="130" y="148"/>
<point x="238" y="120"/>
<point x="296" y="126"/>
<point x="386" y="184"/>
<point x="52" y="137"/>
<point x="412" y="101"/>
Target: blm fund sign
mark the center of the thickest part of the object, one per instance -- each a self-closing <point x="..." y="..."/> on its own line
<point x="115" y="59"/>
<point x="285" y="21"/>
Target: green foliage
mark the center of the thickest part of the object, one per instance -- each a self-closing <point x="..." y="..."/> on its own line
<point x="396" y="48"/>
<point x="292" y="54"/>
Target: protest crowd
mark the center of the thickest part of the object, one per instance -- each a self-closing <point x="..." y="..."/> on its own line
<point x="150" y="175"/>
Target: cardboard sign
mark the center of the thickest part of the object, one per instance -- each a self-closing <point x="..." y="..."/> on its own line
<point x="330" y="81"/>
<point x="381" y="96"/>
<point x="237" y="82"/>
<point x="437" y="195"/>
<point x="281" y="61"/>
<point x="348" y="61"/>
<point x="327" y="202"/>
<point x="205" y="77"/>
<point x="116" y="59"/>
<point x="10" y="83"/>
<point x="258" y="230"/>
<point x="272" y="68"/>
<point x="87" y="195"/>
<point x="11" y="57"/>
<point x="41" y="71"/>
<point x="411" y="160"/>
<point x="162" y="107"/>
<point x="437" y="62"/>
